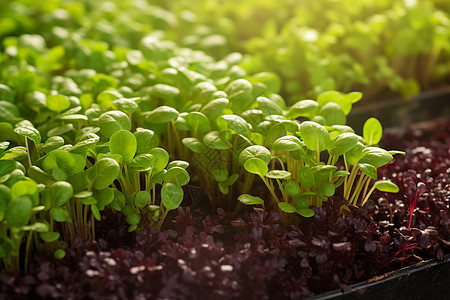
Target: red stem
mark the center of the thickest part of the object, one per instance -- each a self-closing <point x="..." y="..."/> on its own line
<point x="410" y="219"/>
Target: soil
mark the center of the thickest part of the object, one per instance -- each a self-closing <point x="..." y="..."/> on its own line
<point x="213" y="254"/>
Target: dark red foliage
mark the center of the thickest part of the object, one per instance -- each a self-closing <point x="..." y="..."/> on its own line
<point x="222" y="256"/>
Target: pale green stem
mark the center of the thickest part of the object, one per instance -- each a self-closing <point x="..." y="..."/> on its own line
<point x="357" y="190"/>
<point x="368" y="195"/>
<point x="28" y="151"/>
<point x="271" y="189"/>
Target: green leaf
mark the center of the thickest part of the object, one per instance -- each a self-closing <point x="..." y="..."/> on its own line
<point x="333" y="114"/>
<point x="386" y="186"/>
<point x="6" y="93"/>
<point x="216" y="140"/>
<point x="57" y="103"/>
<point x="26" y="187"/>
<point x="250" y="200"/>
<point x="142" y="162"/>
<point x="126" y="104"/>
<point x="178" y="163"/>
<point x="51" y="144"/>
<point x="354" y="96"/>
<point x="3" y="147"/>
<point x="232" y="179"/>
<point x="83" y="194"/>
<point x="59" y="214"/>
<point x="375" y="156"/>
<point x="305" y="212"/>
<point x="343" y="143"/>
<point x="203" y="92"/>
<point x="171" y="196"/>
<point x="255" y="151"/>
<point x="314" y="135"/>
<point x="105" y="197"/>
<point x="164" y="91"/>
<point x="49" y="237"/>
<point x="306" y="177"/>
<point x="256" y="166"/>
<point x="355" y="154"/>
<point x="324" y="169"/>
<point x="83" y="146"/>
<point x="37" y="227"/>
<point x="103" y="173"/>
<point x="194" y="145"/>
<point x="159" y="177"/>
<point x="214" y="108"/>
<point x="219" y="174"/>
<point x="73" y="117"/>
<point x="112" y="121"/>
<point x="223" y="187"/>
<point x="268" y="106"/>
<point x="197" y="122"/>
<point x="161" y="114"/>
<point x="142" y="199"/>
<point x="63" y="164"/>
<point x="88" y="201"/>
<point x="124" y="143"/>
<point x="327" y="189"/>
<point x="5" y="198"/>
<point x="372" y="131"/>
<point x="287" y="143"/>
<point x="369" y="170"/>
<point x="329" y="96"/>
<point x="394" y="152"/>
<point x="293" y="189"/>
<point x="29" y="132"/>
<point x="240" y="94"/>
<point x="278" y="174"/>
<point x="59" y="254"/>
<point x="234" y="123"/>
<point x="60" y="130"/>
<point x="7" y="166"/>
<point x="286" y="207"/>
<point x="95" y="211"/>
<point x="60" y="192"/>
<point x="302" y="108"/>
<point x="146" y="140"/>
<point x="133" y="219"/>
<point x="119" y="201"/>
<point x="273" y="133"/>
<point x="8" y="111"/>
<point x="19" y="211"/>
<point x="177" y="175"/>
<point x="302" y="202"/>
<point x="161" y="159"/>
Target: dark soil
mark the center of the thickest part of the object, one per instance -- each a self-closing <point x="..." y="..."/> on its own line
<point x="204" y="255"/>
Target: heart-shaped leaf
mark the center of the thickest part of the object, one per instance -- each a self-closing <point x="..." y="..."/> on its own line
<point x="255" y="151"/>
<point x="124" y="143"/>
<point x="112" y="121"/>
<point x="171" y="196"/>
<point x="314" y="135"/>
<point x="256" y="166"/>
<point x="217" y="140"/>
<point x="343" y="143"/>
<point x="177" y="175"/>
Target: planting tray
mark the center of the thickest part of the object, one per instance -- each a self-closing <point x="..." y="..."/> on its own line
<point x="426" y="280"/>
<point x="430" y="105"/>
